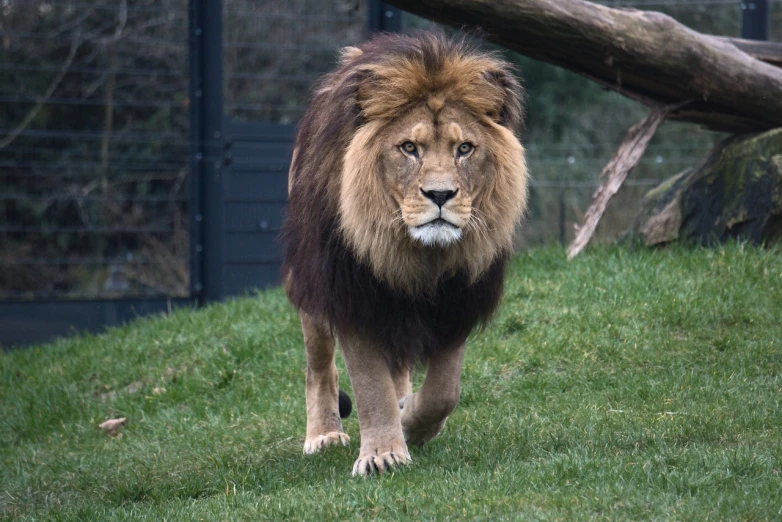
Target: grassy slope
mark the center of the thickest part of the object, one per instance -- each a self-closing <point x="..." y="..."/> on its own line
<point x="622" y="385"/>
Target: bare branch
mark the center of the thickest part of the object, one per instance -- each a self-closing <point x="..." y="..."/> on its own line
<point x="108" y="117"/>
<point x="627" y="156"/>
<point x="75" y="44"/>
<point x="642" y="54"/>
<point x="769" y="52"/>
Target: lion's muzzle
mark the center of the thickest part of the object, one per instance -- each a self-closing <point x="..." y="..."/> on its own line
<point x="437" y="232"/>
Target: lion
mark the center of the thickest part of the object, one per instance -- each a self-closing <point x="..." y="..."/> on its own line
<point x="405" y="188"/>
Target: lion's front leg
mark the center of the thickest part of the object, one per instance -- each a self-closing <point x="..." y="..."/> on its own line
<point x="382" y="442"/>
<point x="324" y="427"/>
<point x="424" y="413"/>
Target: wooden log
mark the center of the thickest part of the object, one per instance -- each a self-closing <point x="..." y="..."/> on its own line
<point x="645" y="55"/>
<point x="769" y="52"/>
<point x="627" y="156"/>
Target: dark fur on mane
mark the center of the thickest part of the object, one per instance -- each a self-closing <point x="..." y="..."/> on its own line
<point x="323" y="276"/>
<point x="329" y="282"/>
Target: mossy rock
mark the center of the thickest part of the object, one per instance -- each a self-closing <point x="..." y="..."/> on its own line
<point x="735" y="193"/>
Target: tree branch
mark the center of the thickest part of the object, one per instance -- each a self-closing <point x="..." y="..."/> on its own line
<point x="642" y="54"/>
<point x="627" y="156"/>
<point x="75" y="44"/>
<point x="108" y="116"/>
<point x="769" y="52"/>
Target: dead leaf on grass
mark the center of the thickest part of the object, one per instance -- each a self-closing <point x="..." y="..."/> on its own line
<point x="112" y="426"/>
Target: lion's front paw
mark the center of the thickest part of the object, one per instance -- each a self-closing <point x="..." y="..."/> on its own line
<point x="379" y="462"/>
<point x="321" y="442"/>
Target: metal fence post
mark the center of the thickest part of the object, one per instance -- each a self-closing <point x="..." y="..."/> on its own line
<point x="755" y="19"/>
<point x="206" y="119"/>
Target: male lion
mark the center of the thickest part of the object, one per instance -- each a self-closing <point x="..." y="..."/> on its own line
<point x="406" y="185"/>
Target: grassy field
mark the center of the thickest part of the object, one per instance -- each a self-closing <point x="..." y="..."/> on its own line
<point x="623" y="385"/>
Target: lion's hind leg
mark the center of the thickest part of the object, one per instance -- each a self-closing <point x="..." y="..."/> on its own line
<point x="424" y="412"/>
<point x="324" y="426"/>
<point x="403" y="381"/>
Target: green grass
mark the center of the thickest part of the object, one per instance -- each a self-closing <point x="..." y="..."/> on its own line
<point x="622" y="385"/>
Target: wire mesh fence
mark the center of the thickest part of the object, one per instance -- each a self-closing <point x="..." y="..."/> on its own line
<point x="573" y="128"/>
<point x="566" y="167"/>
<point x="93" y="148"/>
<point x="94" y="130"/>
<point x="275" y="51"/>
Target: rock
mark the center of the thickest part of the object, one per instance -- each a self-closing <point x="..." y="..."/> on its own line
<point x="735" y="193"/>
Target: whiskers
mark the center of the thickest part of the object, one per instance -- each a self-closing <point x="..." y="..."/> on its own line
<point x="477" y="224"/>
<point x="397" y="221"/>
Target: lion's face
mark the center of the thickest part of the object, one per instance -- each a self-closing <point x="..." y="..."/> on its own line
<point x="432" y="191"/>
<point x="433" y="164"/>
<point x="431" y="179"/>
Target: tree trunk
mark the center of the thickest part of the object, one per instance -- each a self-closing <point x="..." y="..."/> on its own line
<point x="644" y="55"/>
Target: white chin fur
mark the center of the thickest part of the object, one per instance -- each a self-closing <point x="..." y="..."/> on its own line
<point x="440" y="235"/>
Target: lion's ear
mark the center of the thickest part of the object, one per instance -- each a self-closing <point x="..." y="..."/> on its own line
<point x="510" y="112"/>
<point x="372" y="99"/>
<point x="348" y="55"/>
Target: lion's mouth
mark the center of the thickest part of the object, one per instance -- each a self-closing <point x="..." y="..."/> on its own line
<point x="438" y="232"/>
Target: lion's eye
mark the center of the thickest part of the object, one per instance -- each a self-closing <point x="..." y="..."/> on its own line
<point x="465" y="148"/>
<point x="409" y="147"/>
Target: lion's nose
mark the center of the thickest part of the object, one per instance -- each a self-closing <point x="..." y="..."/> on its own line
<point x="440" y="197"/>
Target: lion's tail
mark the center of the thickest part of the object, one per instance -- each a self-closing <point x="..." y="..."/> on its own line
<point x="345" y="405"/>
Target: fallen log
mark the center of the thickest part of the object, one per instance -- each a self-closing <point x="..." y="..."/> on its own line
<point x="769" y="52"/>
<point x="644" y="55"/>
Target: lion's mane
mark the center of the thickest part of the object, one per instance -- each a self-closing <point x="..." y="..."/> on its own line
<point x="352" y="266"/>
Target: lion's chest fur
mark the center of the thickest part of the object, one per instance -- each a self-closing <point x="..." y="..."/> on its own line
<point x="326" y="280"/>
